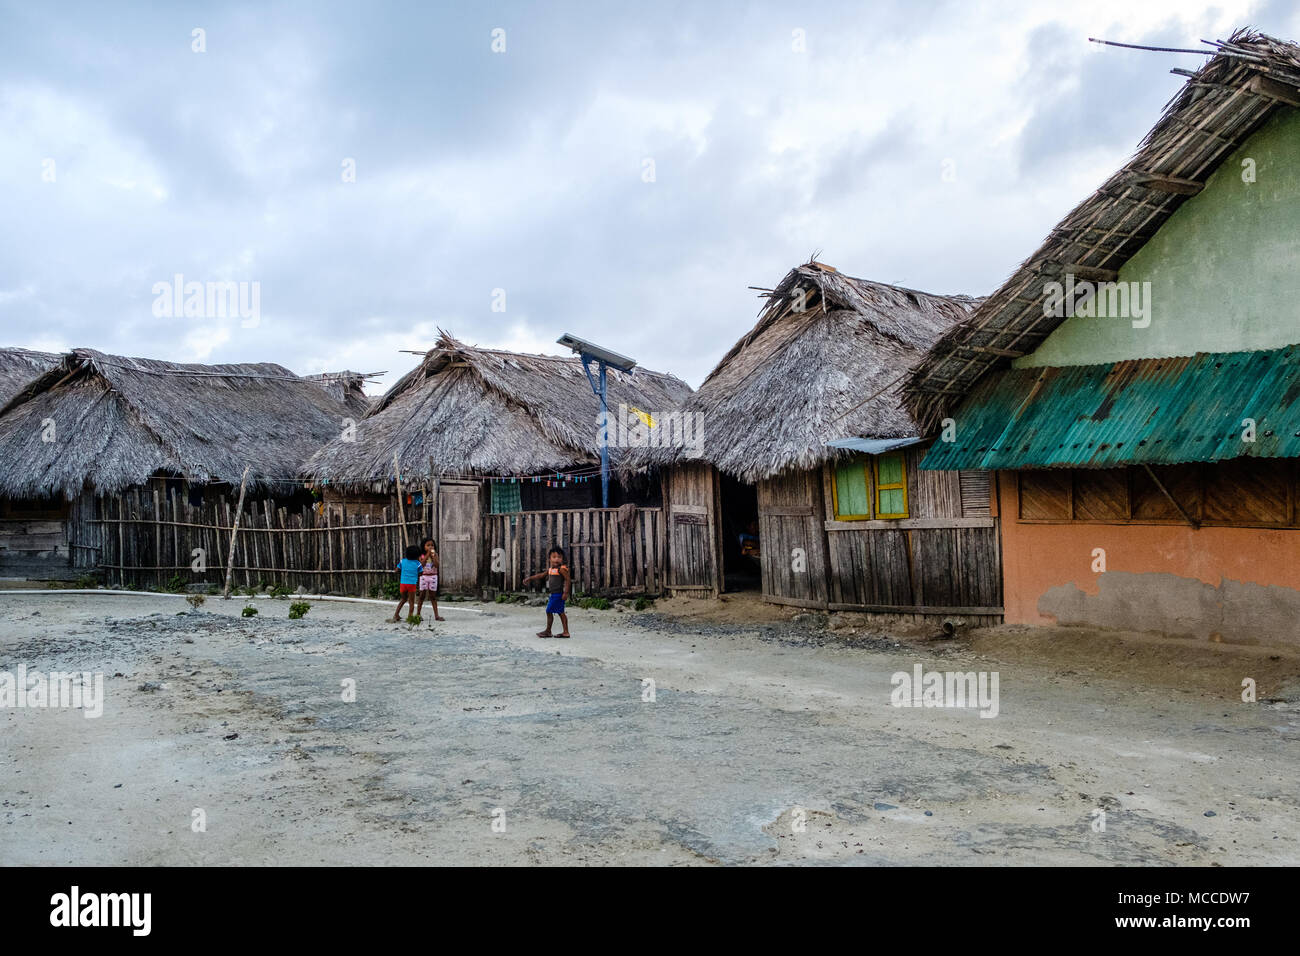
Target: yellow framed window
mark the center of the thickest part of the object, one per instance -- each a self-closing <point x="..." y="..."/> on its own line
<point x="891" y="486"/>
<point x="851" y="490"/>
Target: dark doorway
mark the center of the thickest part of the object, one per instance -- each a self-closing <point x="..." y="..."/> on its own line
<point x="741" y="570"/>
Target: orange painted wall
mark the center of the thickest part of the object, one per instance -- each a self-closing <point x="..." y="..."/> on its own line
<point x="1038" y="557"/>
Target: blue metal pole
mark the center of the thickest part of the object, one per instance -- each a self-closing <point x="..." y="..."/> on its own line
<point x="604" y="442"/>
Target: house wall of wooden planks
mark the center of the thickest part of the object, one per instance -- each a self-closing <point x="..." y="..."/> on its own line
<point x="943" y="560"/>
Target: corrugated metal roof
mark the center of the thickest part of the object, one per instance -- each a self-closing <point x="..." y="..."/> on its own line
<point x="872" y="446"/>
<point x="1143" y="411"/>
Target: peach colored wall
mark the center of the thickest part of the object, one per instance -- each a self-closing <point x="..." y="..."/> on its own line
<point x="1039" y="557"/>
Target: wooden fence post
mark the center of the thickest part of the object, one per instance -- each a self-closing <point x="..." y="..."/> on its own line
<point x="401" y="504"/>
<point x="234" y="530"/>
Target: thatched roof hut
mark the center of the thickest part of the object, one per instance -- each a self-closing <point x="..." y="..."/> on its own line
<point x="347" y="387"/>
<point x="821" y="364"/>
<point x="117" y="421"/>
<point x="19" y="366"/>
<point x="1248" y="79"/>
<point x="474" y="411"/>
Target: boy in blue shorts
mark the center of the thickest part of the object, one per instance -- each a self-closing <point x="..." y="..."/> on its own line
<point x="408" y="584"/>
<point x="557" y="582"/>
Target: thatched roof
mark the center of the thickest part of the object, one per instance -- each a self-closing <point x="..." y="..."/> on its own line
<point x="823" y="343"/>
<point x="19" y="366"/>
<point x="1248" y="79"/>
<point x="347" y="387"/>
<point x="117" y="421"/>
<point x="474" y="411"/>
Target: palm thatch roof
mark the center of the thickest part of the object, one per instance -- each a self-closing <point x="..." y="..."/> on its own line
<point x="117" y="421"/>
<point x="467" y="411"/>
<point x="19" y="366"/>
<point x="1249" y="78"/>
<point x="821" y="364"/>
<point x="347" y="387"/>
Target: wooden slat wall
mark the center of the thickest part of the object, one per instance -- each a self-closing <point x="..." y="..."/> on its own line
<point x="34" y="540"/>
<point x="950" y="568"/>
<point x="1245" y="492"/>
<point x="931" y="494"/>
<point x="976" y="493"/>
<point x="604" y="555"/>
<point x="143" y="539"/>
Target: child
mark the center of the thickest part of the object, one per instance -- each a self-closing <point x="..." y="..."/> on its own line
<point x="409" y="566"/>
<point x="429" y="578"/>
<point x="557" y="582"/>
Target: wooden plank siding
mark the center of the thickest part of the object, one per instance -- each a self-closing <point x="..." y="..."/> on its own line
<point x="34" y="540"/>
<point x="1241" y="493"/>
<point x="944" y="558"/>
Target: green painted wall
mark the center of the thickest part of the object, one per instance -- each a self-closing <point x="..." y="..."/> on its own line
<point x="1224" y="269"/>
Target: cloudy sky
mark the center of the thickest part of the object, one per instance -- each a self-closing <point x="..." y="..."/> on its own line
<point x="624" y="172"/>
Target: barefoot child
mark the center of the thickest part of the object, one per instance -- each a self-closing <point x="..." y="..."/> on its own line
<point x="429" y="578"/>
<point x="409" y="567"/>
<point x="557" y="582"/>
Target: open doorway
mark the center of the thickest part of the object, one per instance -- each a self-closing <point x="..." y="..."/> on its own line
<point x="741" y="547"/>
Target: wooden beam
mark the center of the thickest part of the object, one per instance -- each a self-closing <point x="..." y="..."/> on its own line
<point x="1168" y="184"/>
<point x="917" y="609"/>
<point x="1090" y="273"/>
<point x="1266" y="86"/>
<point x="1195" y="525"/>
<point x="990" y="350"/>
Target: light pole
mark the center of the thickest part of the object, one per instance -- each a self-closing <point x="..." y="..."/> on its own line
<point x="590" y="352"/>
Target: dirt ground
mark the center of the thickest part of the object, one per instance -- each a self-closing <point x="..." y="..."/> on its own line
<point x="771" y="738"/>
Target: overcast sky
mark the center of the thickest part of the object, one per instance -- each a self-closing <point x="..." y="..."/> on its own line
<point x="622" y="171"/>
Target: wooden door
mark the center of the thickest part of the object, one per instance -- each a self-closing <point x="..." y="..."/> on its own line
<point x="458" y="533"/>
<point x="792" y="538"/>
<point x="690" y="511"/>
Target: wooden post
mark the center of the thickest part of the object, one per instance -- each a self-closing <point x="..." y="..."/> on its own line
<point x="234" y="530"/>
<point x="401" y="504"/>
<point x="437" y="505"/>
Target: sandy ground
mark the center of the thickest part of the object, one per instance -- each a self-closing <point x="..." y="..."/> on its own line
<point x="769" y="740"/>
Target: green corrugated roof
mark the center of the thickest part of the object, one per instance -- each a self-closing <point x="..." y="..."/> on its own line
<point x="1143" y="411"/>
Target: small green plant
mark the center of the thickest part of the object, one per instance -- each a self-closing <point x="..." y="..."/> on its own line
<point x="213" y="590"/>
<point x="195" y="600"/>
<point x="391" y="589"/>
<point x="249" y="611"/>
<point x="87" y="581"/>
<point x="374" y="591"/>
<point x="643" y="602"/>
<point x="297" y="609"/>
<point x="279" y="590"/>
<point x="413" y="619"/>
<point x="176" y="584"/>
<point x="504" y="598"/>
<point x="594" y="603"/>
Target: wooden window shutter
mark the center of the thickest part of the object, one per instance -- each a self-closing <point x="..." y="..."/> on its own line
<point x="976" y="490"/>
